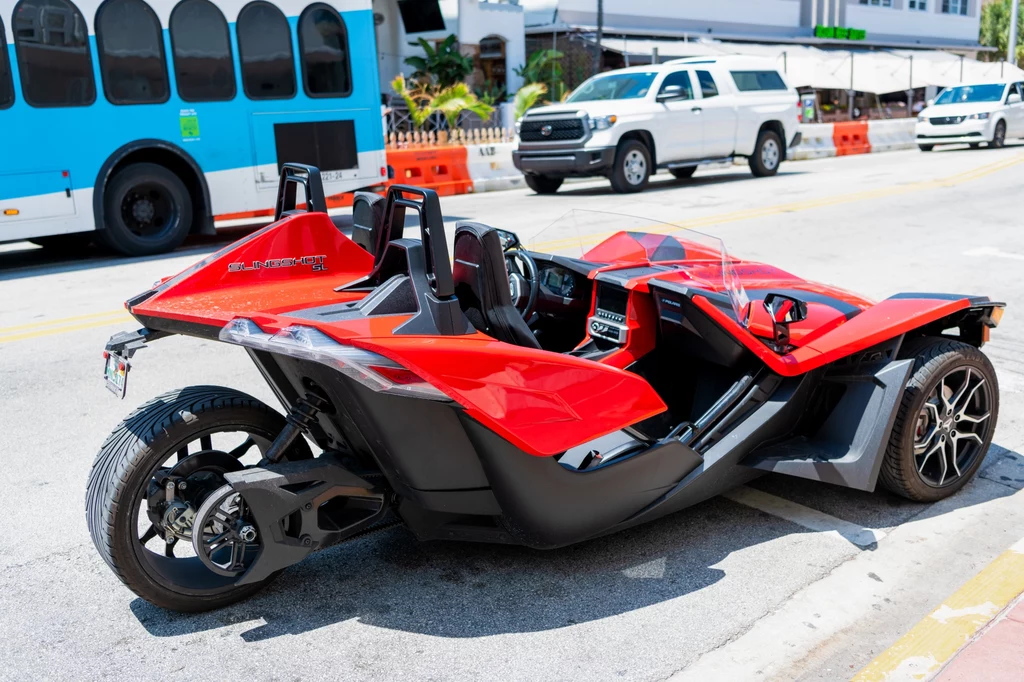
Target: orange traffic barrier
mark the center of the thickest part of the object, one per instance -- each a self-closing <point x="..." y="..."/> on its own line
<point x="851" y="137"/>
<point x="442" y="169"/>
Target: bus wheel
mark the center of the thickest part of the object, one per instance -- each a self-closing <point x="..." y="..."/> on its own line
<point x="147" y="210"/>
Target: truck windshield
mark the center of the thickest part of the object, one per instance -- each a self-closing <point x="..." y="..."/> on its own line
<point x="630" y="85"/>
<point x="992" y="92"/>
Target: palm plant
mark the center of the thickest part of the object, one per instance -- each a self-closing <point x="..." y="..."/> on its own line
<point x="425" y="100"/>
<point x="527" y="97"/>
<point x="443" y="65"/>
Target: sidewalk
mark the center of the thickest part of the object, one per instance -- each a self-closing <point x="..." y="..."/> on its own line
<point x="995" y="655"/>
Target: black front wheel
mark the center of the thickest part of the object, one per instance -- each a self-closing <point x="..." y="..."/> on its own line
<point x="147" y="210"/>
<point x="998" y="136"/>
<point x="157" y="472"/>
<point x="632" y="167"/>
<point x="945" y="421"/>
<point x="767" y="156"/>
<point x="543" y="184"/>
<point x="926" y="147"/>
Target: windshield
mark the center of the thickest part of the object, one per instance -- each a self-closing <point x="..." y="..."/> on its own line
<point x="631" y="85"/>
<point x="610" y="238"/>
<point x="992" y="92"/>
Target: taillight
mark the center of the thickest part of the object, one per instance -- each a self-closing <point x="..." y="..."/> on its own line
<point x="374" y="371"/>
<point x="799" y="110"/>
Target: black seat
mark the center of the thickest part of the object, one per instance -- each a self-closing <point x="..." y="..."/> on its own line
<point x="368" y="229"/>
<point x="481" y="285"/>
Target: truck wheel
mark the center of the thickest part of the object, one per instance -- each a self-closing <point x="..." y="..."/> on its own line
<point x="945" y="421"/>
<point x="926" y="147"/>
<point x="195" y="434"/>
<point x="632" y="167"/>
<point x="999" y="136"/>
<point x="543" y="184"/>
<point x="767" y="154"/>
<point x="147" y="210"/>
<point x="683" y="173"/>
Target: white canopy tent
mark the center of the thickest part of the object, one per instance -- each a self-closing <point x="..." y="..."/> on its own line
<point x="874" y="71"/>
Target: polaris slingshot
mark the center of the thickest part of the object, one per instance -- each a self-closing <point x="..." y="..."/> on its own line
<point x="614" y="372"/>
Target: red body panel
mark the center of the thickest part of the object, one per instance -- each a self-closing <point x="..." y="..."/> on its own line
<point x="542" y="402"/>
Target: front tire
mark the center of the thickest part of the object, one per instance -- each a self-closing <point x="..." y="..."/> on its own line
<point x="926" y="147"/>
<point x="632" y="167"/>
<point x="154" y="440"/>
<point x="767" y="156"/>
<point x="998" y="136"/>
<point x="147" y="210"/>
<point x="945" y="421"/>
<point x="543" y="184"/>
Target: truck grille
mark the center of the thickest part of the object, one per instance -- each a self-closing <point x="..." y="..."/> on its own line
<point x="556" y="129"/>
<point x="946" y="120"/>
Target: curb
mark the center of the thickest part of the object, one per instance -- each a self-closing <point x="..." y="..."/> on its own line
<point x="935" y="640"/>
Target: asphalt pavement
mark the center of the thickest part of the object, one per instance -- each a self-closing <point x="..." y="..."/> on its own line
<point x="775" y="581"/>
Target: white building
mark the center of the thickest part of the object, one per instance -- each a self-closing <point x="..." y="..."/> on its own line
<point x="493" y="33"/>
<point x="941" y="24"/>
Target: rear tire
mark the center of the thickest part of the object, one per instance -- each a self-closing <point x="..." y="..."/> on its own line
<point x="147" y="210"/>
<point x="937" y="360"/>
<point x="543" y="184"/>
<point x="767" y="156"/>
<point x="926" y="147"/>
<point x="124" y="469"/>
<point x="632" y="167"/>
<point x="975" y="145"/>
<point x="683" y="173"/>
<point x="998" y="136"/>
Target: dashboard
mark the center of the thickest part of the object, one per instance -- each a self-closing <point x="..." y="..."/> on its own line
<point x="558" y="281"/>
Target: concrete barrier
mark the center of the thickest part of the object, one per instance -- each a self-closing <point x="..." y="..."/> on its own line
<point x="892" y="135"/>
<point x="491" y="168"/>
<point x="816" y="142"/>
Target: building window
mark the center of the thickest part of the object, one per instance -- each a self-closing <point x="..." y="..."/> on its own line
<point x="52" y="42"/>
<point x="202" y="52"/>
<point x="708" y="88"/>
<point x="131" y="50"/>
<point x="323" y="43"/>
<point x="919" y="5"/>
<point x="265" y="50"/>
<point x="877" y="3"/>
<point x="954" y="7"/>
<point x="6" y="84"/>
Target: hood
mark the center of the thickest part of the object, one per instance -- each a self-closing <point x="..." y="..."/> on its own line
<point x="959" y="109"/>
<point x="602" y="107"/>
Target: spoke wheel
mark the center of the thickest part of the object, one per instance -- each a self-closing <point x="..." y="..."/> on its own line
<point x="945" y="420"/>
<point x="951" y="427"/>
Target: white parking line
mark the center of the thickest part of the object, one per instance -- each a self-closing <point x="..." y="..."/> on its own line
<point x="993" y="252"/>
<point x="805" y="516"/>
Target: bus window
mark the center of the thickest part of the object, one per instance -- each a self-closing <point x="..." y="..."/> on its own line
<point x="6" y="86"/>
<point x="324" y="46"/>
<point x="265" y="50"/>
<point x="131" y="50"/>
<point x="52" y="43"/>
<point x="202" y="52"/>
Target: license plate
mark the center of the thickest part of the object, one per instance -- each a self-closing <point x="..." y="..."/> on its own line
<point x="115" y="374"/>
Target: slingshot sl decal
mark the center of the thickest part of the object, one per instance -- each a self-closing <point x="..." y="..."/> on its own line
<point x="317" y="263"/>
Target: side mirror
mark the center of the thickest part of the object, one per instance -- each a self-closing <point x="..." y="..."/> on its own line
<point x="783" y="311"/>
<point x="509" y="240"/>
<point x="1014" y="98"/>
<point x="670" y="92"/>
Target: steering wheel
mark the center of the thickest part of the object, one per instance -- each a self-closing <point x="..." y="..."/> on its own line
<point x="523" y="288"/>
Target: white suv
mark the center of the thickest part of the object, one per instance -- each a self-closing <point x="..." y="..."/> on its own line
<point x="625" y="124"/>
<point x="972" y="114"/>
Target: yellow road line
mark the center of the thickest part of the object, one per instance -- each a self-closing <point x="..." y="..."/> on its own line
<point x="936" y="639"/>
<point x="62" y="326"/>
<point x="793" y="207"/>
<point x="61" y="321"/>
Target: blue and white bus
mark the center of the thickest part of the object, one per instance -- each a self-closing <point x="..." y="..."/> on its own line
<point x="137" y="123"/>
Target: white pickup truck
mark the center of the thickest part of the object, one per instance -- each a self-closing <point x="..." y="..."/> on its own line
<point x="625" y="124"/>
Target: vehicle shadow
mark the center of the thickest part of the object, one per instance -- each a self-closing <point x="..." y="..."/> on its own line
<point x="664" y="182"/>
<point x="458" y="590"/>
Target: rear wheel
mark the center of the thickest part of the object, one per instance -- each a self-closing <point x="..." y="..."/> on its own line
<point x="683" y="173"/>
<point x="147" y="210"/>
<point x="945" y="421"/>
<point x="157" y="469"/>
<point x="975" y="145"/>
<point x="543" y="184"/>
<point x="926" y="147"/>
<point x="632" y="167"/>
<point x="767" y="154"/>
<point x="998" y="136"/>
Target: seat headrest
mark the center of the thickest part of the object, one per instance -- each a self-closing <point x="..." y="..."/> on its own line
<point x="368" y="223"/>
